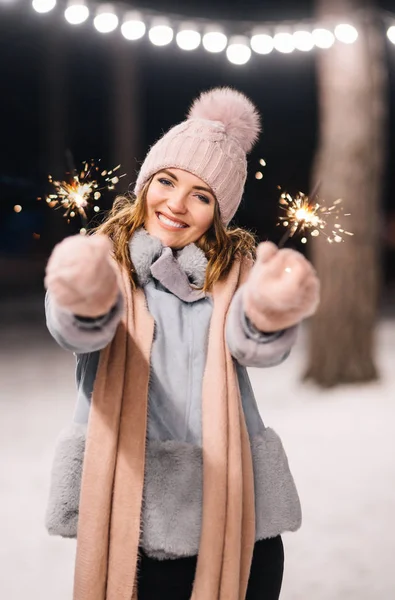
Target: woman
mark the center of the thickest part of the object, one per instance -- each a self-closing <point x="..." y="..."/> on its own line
<point x="178" y="488"/>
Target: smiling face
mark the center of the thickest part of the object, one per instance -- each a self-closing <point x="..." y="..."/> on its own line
<point x="180" y="207"/>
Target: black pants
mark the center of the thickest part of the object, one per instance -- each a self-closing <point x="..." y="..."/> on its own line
<point x="173" y="579"/>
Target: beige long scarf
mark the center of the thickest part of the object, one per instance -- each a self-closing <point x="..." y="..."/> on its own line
<point x="113" y="473"/>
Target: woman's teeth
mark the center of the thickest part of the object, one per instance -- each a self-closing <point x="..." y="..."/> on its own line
<point x="170" y="222"/>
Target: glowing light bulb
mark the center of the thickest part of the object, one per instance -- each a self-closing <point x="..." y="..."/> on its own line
<point x="323" y="38"/>
<point x="303" y="40"/>
<point x="214" y="41"/>
<point x="238" y="51"/>
<point x="76" y="12"/>
<point x="161" y="34"/>
<point x="106" y="20"/>
<point x="43" y="6"/>
<point x="283" y="42"/>
<point x="133" y="27"/>
<point x="188" y="38"/>
<point x="262" y="43"/>
<point x="346" y="33"/>
<point x="391" y="34"/>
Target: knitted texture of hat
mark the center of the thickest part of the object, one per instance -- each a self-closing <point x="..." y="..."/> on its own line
<point x="221" y="128"/>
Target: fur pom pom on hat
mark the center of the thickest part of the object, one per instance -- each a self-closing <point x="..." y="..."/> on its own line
<point x="221" y="127"/>
<point x="237" y="114"/>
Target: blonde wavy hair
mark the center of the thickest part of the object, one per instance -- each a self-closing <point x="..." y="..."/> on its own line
<point x="220" y="244"/>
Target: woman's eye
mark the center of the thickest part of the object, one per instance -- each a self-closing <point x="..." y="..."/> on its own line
<point x="165" y="181"/>
<point x="204" y="199"/>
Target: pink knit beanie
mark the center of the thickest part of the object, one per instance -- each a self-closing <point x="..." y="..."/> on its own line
<point x="221" y="127"/>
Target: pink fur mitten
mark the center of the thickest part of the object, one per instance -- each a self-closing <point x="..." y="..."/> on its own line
<point x="80" y="275"/>
<point x="282" y="289"/>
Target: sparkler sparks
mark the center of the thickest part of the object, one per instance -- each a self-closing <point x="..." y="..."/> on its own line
<point x="82" y="191"/>
<point x="303" y="215"/>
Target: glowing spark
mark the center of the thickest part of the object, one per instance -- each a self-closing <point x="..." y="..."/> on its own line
<point x="304" y="215"/>
<point x="80" y="193"/>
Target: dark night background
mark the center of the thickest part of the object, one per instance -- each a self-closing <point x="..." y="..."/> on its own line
<point x="167" y="80"/>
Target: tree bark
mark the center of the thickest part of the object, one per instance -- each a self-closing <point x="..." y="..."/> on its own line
<point x="54" y="119"/>
<point x="349" y="164"/>
<point x="126" y="112"/>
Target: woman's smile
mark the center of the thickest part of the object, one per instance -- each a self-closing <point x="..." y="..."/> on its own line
<point x="170" y="222"/>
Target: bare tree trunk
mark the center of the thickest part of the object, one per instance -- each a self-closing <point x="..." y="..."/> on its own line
<point x="126" y="112"/>
<point x="54" y="117"/>
<point x="349" y="163"/>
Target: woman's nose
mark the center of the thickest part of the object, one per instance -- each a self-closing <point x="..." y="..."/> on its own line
<point x="177" y="203"/>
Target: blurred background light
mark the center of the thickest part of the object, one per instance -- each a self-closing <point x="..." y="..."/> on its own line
<point x="391" y="34"/>
<point x="76" y="12"/>
<point x="303" y="40"/>
<point x="346" y="33"/>
<point x="262" y="43"/>
<point x="133" y="26"/>
<point x="323" y="38"/>
<point x="161" y="33"/>
<point x="214" y="40"/>
<point x="188" y="38"/>
<point x="43" y="6"/>
<point x="106" y="20"/>
<point x="283" y="42"/>
<point x="238" y="50"/>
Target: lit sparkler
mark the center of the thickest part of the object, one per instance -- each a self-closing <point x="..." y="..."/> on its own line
<point x="303" y="215"/>
<point x="82" y="191"/>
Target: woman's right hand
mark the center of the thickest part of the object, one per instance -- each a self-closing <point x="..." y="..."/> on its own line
<point x="282" y="289"/>
<point x="81" y="277"/>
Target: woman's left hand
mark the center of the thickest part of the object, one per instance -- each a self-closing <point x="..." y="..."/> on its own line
<point x="282" y="289"/>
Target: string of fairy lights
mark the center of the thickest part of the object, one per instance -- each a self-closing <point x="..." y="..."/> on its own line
<point x="189" y="35"/>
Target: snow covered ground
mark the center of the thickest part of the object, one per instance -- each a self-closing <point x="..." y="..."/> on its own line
<point x="340" y="444"/>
